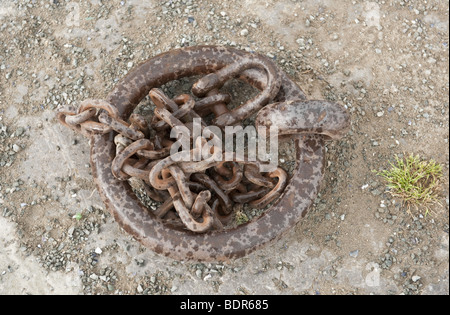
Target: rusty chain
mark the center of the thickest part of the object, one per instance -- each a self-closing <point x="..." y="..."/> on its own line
<point x="198" y="197"/>
<point x="219" y="185"/>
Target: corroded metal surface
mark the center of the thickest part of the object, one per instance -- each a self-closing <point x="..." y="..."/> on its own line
<point x="308" y="122"/>
<point x="295" y="117"/>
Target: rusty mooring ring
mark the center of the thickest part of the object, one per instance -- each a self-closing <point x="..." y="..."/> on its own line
<point x="136" y="219"/>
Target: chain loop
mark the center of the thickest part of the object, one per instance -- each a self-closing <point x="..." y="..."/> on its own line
<point x="184" y="212"/>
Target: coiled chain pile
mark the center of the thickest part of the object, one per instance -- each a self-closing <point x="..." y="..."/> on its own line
<point x="203" y="194"/>
<point x="198" y="196"/>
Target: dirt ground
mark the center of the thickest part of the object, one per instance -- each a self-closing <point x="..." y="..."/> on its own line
<point x="386" y="61"/>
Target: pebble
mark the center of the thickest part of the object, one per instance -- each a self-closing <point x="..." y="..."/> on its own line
<point x="354" y="253"/>
<point x="16" y="148"/>
<point x="376" y="192"/>
<point x="19" y="131"/>
<point x="93" y="276"/>
<point x="244" y="32"/>
<point x="415" y="278"/>
<point x="301" y="42"/>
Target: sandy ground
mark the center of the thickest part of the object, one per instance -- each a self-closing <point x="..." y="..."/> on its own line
<point x="387" y="61"/>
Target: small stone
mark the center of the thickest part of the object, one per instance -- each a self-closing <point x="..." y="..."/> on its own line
<point x="415" y="278"/>
<point x="354" y="253"/>
<point x="93" y="276"/>
<point x="244" y="32"/>
<point x="301" y="42"/>
<point x="19" y="131"/>
<point x="70" y="231"/>
<point x="98" y="250"/>
<point x="16" y="148"/>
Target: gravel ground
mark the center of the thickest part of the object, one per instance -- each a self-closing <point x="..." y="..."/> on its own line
<point x="387" y="61"/>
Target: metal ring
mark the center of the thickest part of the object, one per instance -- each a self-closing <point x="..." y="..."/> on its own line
<point x="135" y="218"/>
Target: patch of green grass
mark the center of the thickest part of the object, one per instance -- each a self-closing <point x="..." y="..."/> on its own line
<point x="241" y="218"/>
<point x="78" y="216"/>
<point x="415" y="181"/>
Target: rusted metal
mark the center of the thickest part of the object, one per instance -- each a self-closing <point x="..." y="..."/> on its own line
<point x="275" y="192"/>
<point x="121" y="127"/>
<point x="215" y="80"/>
<point x="122" y="157"/>
<point x="248" y="196"/>
<point x="234" y="177"/>
<point x="253" y="175"/>
<point x="225" y="201"/>
<point x="204" y="204"/>
<point x="295" y="117"/>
